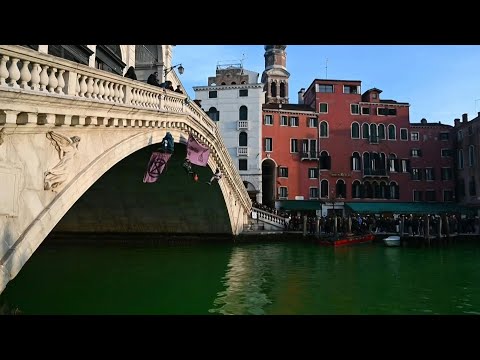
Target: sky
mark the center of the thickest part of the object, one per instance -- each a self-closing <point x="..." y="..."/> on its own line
<point x="440" y="82"/>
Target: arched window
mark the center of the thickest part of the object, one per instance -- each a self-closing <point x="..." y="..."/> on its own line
<point x="393" y="163"/>
<point x="373" y="132"/>
<point x="383" y="186"/>
<point x="324" y="188"/>
<point x="394" y="191"/>
<point x="242" y="139"/>
<point x="243" y="113"/>
<point x="471" y="155"/>
<point x="460" y="159"/>
<point x="376" y="190"/>
<point x="341" y="189"/>
<point x="391" y="132"/>
<point x="282" y="89"/>
<point x="368" y="190"/>
<point x="383" y="161"/>
<point x="355" y="131"/>
<point x="366" y="162"/>
<point x="356" y="161"/>
<point x="273" y="89"/>
<point x="223" y="83"/>
<point x="234" y="83"/>
<point x="324" y="129"/>
<point x="365" y="131"/>
<point x="356" y="189"/>
<point x="214" y="114"/>
<point x="381" y="131"/>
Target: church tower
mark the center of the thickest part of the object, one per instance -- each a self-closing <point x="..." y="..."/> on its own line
<point x="275" y="76"/>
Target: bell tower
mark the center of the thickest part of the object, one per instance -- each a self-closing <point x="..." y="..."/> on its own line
<point x="275" y="76"/>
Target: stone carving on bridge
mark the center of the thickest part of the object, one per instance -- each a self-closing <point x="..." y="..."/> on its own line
<point x="67" y="148"/>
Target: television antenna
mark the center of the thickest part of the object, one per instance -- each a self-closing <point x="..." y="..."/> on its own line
<point x="326" y="68"/>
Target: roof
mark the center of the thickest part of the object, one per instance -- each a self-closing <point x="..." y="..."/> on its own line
<point x="406" y="207"/>
<point x="297" y="107"/>
<point x="300" y="204"/>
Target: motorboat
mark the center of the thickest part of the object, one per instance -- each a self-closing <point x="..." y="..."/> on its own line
<point x="393" y="240"/>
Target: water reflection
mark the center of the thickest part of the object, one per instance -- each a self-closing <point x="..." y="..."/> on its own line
<point x="247" y="281"/>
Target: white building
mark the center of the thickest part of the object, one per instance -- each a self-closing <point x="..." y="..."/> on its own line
<point x="234" y="99"/>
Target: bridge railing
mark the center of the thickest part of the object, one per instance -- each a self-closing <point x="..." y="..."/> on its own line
<point x="30" y="72"/>
<point x="265" y="215"/>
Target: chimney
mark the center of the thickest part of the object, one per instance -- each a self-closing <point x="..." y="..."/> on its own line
<point x="456" y="122"/>
<point x="464" y="118"/>
<point x="301" y="93"/>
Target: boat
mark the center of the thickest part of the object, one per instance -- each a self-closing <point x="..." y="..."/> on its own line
<point x="347" y="240"/>
<point x="393" y="240"/>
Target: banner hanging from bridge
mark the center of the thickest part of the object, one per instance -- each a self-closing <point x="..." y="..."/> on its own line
<point x="197" y="153"/>
<point x="156" y="165"/>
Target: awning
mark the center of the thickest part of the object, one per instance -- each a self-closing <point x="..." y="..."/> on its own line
<point x="300" y="204"/>
<point x="406" y="208"/>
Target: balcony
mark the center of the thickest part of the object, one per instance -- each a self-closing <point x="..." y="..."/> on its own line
<point x="373" y="139"/>
<point x="242" y="125"/>
<point x="309" y="155"/>
<point x="242" y="150"/>
<point x="375" y="173"/>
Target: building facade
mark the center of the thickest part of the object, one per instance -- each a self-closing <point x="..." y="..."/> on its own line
<point x="233" y="99"/>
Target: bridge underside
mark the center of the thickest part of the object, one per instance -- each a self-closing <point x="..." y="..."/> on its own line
<point x="119" y="202"/>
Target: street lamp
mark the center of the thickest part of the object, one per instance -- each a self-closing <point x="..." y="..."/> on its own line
<point x="181" y="69"/>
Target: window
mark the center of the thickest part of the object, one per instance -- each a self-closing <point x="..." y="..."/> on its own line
<point x="392" y="163"/>
<point x="283" y="172"/>
<point x="325" y="161"/>
<point x="447" y="195"/>
<point x="283" y="192"/>
<point x="471" y="155"/>
<point x="213" y="114"/>
<point x="444" y="136"/>
<point x="392" y="112"/>
<point x="429" y="174"/>
<point x="459" y="135"/>
<point x="282" y="89"/>
<point x="416" y="174"/>
<point x="268" y="120"/>
<point x="391" y="132"/>
<point x="242" y="164"/>
<point x="312" y="122"/>
<point x="313" y="173"/>
<point x="355" y="131"/>
<point x="460" y="159"/>
<point x="243" y="139"/>
<point x="243" y="113"/>
<point x="447" y="173"/>
<point x="374" y="95"/>
<point x="471" y="186"/>
<point x="314" y="193"/>
<point x="212" y="94"/>
<point x="354" y="109"/>
<point x="324" y="88"/>
<point x="365" y="131"/>
<point x="284" y="121"/>
<point x="417" y="195"/>
<point x="394" y="191"/>
<point x="414" y="136"/>
<point x="382" y="111"/>
<point x="324" y="188"/>
<point x="365" y="111"/>
<point x="416" y="153"/>
<point x="323" y="108"/>
<point x="373" y="134"/>
<point x="446" y="152"/>
<point x="404" y="164"/>
<point x="294" y="121"/>
<point x="268" y="144"/>
<point x="356" y="189"/>
<point x="403" y="134"/>
<point x="351" y="89"/>
<point x="430" y="195"/>
<point x="381" y="131"/>
<point x="341" y="189"/>
<point x="273" y="89"/>
<point x="323" y="129"/>
<point x="294" y="145"/>
<point x="309" y="148"/>
<point x="243" y="92"/>
<point x="356" y="161"/>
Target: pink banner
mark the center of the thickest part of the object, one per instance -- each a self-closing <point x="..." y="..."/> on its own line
<point x="155" y="167"/>
<point x="197" y="153"/>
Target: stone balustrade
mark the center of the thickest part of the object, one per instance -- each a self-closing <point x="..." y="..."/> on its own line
<point x="267" y="216"/>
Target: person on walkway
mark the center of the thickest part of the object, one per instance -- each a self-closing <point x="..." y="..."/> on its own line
<point x="217" y="176"/>
<point x="153" y="80"/>
<point x="131" y="73"/>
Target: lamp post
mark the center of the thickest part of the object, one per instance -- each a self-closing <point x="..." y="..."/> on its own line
<point x="181" y="69"/>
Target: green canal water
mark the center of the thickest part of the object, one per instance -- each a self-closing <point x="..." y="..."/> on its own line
<point x="261" y="278"/>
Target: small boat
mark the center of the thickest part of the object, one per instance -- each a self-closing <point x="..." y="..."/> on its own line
<point x="392" y="240"/>
<point x="348" y="240"/>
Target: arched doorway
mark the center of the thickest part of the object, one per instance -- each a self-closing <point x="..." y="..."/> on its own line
<point x="268" y="182"/>
<point x="252" y="192"/>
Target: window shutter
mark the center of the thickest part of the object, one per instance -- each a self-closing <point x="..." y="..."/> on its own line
<point x="419" y="152"/>
<point x="397" y="165"/>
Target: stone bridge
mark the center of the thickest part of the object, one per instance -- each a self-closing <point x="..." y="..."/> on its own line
<point x="65" y="126"/>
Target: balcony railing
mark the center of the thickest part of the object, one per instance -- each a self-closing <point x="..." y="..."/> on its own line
<point x="309" y="155"/>
<point x="242" y="125"/>
<point x="242" y="150"/>
<point x="375" y="172"/>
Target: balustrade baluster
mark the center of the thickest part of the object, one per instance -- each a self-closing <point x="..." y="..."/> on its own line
<point x="107" y="90"/>
<point x="25" y="75"/>
<point x="35" y="76"/>
<point x="61" y="82"/>
<point x="14" y="73"/>
<point x="89" y="83"/>
<point x="96" y="89"/>
<point x="121" y="94"/>
<point x="83" y="86"/>
<point x="101" y="89"/>
<point x="52" y="80"/>
<point x="77" y="85"/>
<point x="116" y="92"/>
<point x="44" y="78"/>
<point x="111" y="96"/>
<point x="4" y="74"/>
